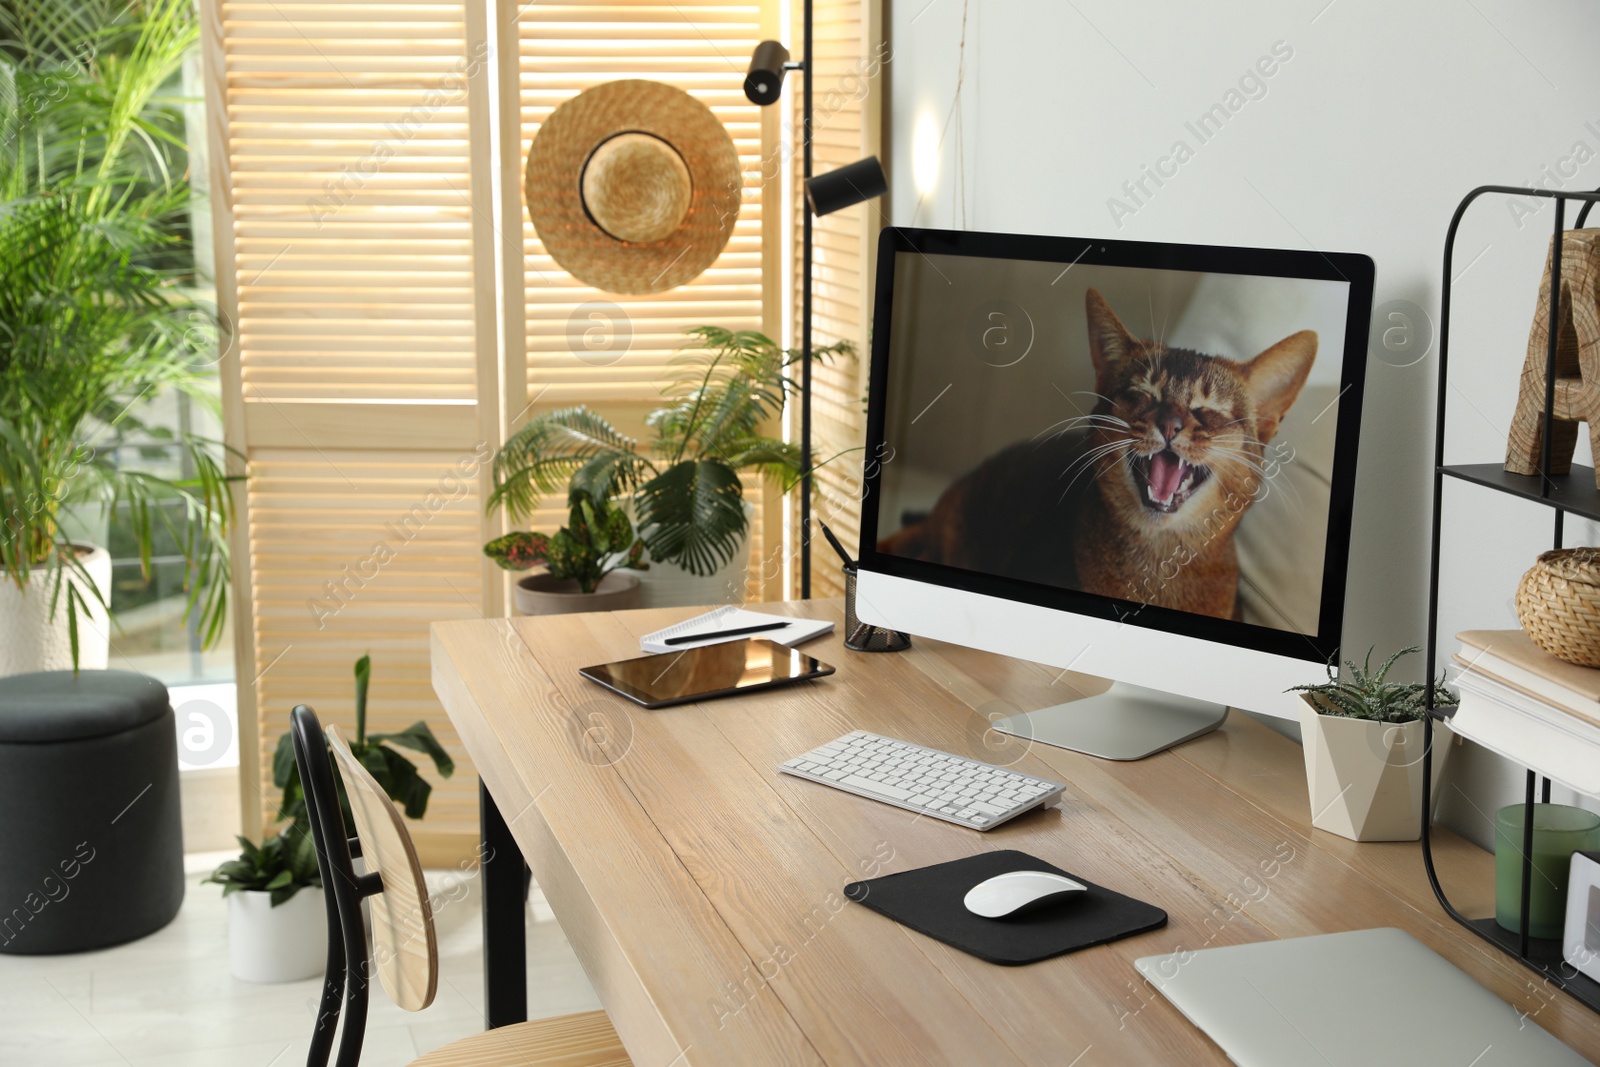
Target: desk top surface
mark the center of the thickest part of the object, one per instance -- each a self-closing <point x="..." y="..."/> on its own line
<point x="702" y="889"/>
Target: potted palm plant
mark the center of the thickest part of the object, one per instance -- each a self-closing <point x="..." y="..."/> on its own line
<point x="1363" y="741"/>
<point x="581" y="560"/>
<point x="683" y="486"/>
<point x="95" y="321"/>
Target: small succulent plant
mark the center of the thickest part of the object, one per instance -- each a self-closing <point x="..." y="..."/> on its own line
<point x="1366" y="694"/>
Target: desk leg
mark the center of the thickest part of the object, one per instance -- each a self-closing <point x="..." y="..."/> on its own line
<point x="505" y="946"/>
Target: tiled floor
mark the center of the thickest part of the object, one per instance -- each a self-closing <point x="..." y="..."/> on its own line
<point x="168" y="1001"/>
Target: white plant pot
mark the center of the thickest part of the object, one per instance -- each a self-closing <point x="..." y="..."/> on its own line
<point x="669" y="585"/>
<point x="32" y="640"/>
<point x="542" y="594"/>
<point x="282" y="944"/>
<point x="1365" y="777"/>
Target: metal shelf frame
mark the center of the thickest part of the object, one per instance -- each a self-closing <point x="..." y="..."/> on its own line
<point x="1574" y="493"/>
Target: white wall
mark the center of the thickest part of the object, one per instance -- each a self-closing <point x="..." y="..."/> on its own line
<point x="1364" y="139"/>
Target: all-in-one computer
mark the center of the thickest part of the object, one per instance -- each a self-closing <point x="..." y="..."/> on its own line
<point x="1125" y="459"/>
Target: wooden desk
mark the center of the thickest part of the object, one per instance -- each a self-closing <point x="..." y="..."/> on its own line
<point x="701" y="889"/>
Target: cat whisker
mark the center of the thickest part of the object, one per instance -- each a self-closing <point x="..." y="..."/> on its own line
<point x="1067" y="425"/>
<point x="1096" y="453"/>
<point x="1263" y="474"/>
<point x="1085" y="462"/>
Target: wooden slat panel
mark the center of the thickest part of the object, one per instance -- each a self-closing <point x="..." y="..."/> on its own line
<point x="847" y="50"/>
<point x="703" y="50"/>
<point x="353" y="553"/>
<point x="348" y="127"/>
<point x="352" y="150"/>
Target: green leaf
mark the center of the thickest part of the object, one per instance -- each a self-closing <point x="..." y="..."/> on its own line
<point x="518" y="550"/>
<point x="284" y="768"/>
<point x="279" y="880"/>
<point x="420" y="738"/>
<point x="363" y="672"/>
<point x="405" y="786"/>
<point x="300" y="853"/>
<point x="543" y="456"/>
<point x="372" y="758"/>
<point x="693" y="514"/>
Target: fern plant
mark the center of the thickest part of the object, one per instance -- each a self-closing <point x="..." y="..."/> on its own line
<point x="1367" y="694"/>
<point x="95" y="315"/>
<point x="689" y="504"/>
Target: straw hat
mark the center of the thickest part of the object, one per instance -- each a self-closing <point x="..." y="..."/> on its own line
<point x="633" y="186"/>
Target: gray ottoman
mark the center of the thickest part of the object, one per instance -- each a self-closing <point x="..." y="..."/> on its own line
<point x="91" y="836"/>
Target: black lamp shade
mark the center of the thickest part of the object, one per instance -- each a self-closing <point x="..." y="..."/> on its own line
<point x="764" y="82"/>
<point x="849" y="185"/>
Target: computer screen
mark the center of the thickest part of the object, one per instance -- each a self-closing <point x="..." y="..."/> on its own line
<point x="1157" y="434"/>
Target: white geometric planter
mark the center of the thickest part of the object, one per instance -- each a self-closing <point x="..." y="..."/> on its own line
<point x="31" y="640"/>
<point x="282" y="944"/>
<point x="1365" y="777"/>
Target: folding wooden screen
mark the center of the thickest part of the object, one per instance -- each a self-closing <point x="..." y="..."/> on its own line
<point x="392" y="315"/>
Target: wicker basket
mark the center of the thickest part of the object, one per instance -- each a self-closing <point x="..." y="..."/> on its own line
<point x="1558" y="602"/>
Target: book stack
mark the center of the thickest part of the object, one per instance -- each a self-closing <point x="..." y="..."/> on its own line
<point x="1527" y="705"/>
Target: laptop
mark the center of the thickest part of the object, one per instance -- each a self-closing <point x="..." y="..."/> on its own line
<point x="1367" y="998"/>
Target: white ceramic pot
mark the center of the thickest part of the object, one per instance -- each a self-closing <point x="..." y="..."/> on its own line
<point x="282" y="944"/>
<point x="1365" y="777"/>
<point x="32" y="640"/>
<point x="669" y="585"/>
<point x="541" y="594"/>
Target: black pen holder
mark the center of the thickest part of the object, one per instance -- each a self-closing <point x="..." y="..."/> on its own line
<point x="864" y="637"/>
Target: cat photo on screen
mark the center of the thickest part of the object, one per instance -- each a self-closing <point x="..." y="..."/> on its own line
<point x="1140" y="496"/>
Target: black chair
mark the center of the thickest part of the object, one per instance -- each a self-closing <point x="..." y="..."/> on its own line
<point x="404" y="943"/>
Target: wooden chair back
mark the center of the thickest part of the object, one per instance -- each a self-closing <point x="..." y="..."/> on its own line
<point x="405" y="949"/>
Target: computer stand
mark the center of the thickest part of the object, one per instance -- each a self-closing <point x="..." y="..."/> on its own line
<point x="1126" y="722"/>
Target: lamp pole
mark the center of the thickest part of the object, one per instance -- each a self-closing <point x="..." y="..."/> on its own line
<point x="805" y="309"/>
<point x="834" y="191"/>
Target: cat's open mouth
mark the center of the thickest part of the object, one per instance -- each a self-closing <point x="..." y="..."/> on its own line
<point x="1166" y="480"/>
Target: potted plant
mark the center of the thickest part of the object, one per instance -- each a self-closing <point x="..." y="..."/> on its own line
<point x="683" y="487"/>
<point x="581" y="560"/>
<point x="277" y="920"/>
<point x="378" y="753"/>
<point x="95" y="321"/>
<point x="1363" y="741"/>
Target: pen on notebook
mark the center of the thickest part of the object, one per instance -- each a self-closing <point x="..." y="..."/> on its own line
<point x="684" y="639"/>
<point x="834" y="541"/>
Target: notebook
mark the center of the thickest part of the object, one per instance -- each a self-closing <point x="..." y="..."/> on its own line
<point x="731" y="618"/>
<point x="1367" y="998"/>
<point x="1512" y="657"/>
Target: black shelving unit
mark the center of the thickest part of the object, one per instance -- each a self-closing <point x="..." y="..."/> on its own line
<point x="1565" y="494"/>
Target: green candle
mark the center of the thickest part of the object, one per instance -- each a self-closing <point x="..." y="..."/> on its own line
<point x="1558" y="832"/>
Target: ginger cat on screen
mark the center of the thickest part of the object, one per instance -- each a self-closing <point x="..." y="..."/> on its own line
<point x="1142" y="505"/>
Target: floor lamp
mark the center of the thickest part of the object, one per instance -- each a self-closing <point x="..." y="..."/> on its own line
<point x="853" y="184"/>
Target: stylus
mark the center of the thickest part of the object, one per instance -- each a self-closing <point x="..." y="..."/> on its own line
<point x="684" y="639"/>
<point x="834" y="541"/>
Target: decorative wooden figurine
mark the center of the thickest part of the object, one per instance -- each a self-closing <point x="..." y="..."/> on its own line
<point x="1577" y="392"/>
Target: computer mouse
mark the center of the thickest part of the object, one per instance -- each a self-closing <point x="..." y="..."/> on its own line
<point x="1018" y="893"/>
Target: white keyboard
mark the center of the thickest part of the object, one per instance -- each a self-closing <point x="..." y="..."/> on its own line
<point x="963" y="791"/>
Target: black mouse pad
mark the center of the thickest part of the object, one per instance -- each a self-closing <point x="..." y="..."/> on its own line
<point x="929" y="900"/>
